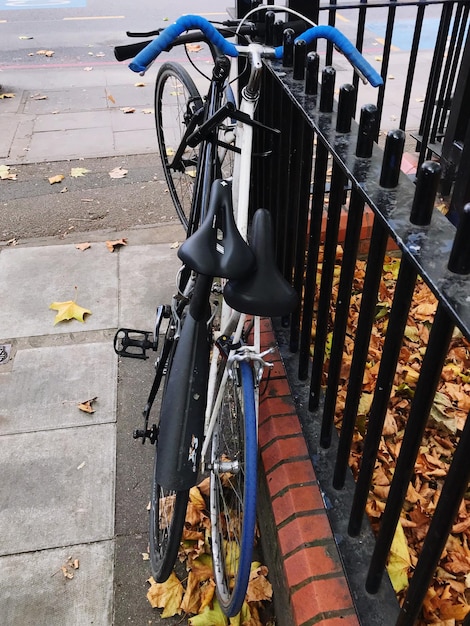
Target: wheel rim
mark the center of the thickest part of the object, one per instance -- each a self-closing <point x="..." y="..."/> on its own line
<point x="175" y="104"/>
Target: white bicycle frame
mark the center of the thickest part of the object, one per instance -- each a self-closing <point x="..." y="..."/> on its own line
<point x="240" y="195"/>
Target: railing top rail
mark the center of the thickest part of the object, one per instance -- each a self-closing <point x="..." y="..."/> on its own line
<point x="378" y="4"/>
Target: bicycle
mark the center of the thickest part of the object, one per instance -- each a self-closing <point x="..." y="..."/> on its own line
<point x="211" y="357"/>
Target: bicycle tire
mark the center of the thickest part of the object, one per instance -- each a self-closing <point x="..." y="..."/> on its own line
<point x="167" y="515"/>
<point x="233" y="490"/>
<point x="176" y="101"/>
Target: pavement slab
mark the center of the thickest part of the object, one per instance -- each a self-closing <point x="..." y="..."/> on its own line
<point x="34" y="590"/>
<point x="80" y="372"/>
<point x="63" y="488"/>
<point x="57" y="274"/>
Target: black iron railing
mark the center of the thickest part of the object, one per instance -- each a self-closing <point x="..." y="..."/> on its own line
<point x="326" y="162"/>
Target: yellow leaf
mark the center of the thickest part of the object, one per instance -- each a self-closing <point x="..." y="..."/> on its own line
<point x="7" y="95"/>
<point x="68" y="310"/>
<point x="166" y="596"/>
<point x="56" y="179"/>
<point x="139" y="84"/>
<point x="209" y="617"/>
<point x="78" y="171"/>
<point x="399" y="560"/>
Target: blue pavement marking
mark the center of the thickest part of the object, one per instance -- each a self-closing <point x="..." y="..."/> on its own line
<point x="403" y="33"/>
<point x="40" y="4"/>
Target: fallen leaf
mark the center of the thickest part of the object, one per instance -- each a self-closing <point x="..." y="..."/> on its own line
<point x="63" y="190"/>
<point x="399" y="560"/>
<point x="111" y="98"/>
<point x="118" y="172"/>
<point x="139" y="84"/>
<point x="38" y="96"/>
<point x="87" y="69"/>
<point x="81" y="466"/>
<point x="128" y="110"/>
<point x="112" y="245"/>
<point x="259" y="587"/>
<point x="145" y="556"/>
<point x="174" y="245"/>
<point x="5" y="173"/>
<point x="56" y="179"/>
<point x="78" y="171"/>
<point x="87" y="405"/>
<point x="45" y="53"/>
<point x="12" y="242"/>
<point x="83" y="246"/>
<point x="25" y="37"/>
<point x="3" y="96"/>
<point x="68" y="310"/>
<point x="209" y="617"/>
<point x="147" y="111"/>
<point x="167" y="595"/>
<point x="193" y="47"/>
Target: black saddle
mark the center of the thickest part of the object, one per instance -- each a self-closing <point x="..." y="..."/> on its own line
<point x="264" y="292"/>
<point x="217" y="248"/>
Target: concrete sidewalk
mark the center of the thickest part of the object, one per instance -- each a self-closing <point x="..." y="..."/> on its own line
<point x="58" y="464"/>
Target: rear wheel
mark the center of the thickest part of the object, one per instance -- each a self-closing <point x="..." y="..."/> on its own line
<point x="167" y="515"/>
<point x="167" y="507"/>
<point x="233" y="489"/>
<point x="177" y="99"/>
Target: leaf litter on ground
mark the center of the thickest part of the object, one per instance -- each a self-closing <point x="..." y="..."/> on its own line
<point x="194" y="595"/>
<point x="448" y="599"/>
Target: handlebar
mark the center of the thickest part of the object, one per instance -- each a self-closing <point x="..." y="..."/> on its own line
<point x="344" y="45"/>
<point x="164" y="41"/>
<point x="185" y="22"/>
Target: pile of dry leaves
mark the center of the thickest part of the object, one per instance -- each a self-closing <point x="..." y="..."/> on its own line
<point x="194" y="594"/>
<point x="448" y="599"/>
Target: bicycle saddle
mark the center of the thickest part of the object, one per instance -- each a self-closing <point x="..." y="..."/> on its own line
<point x="217" y="248"/>
<point x="264" y="292"/>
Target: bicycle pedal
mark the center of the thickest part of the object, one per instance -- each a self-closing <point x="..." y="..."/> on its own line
<point x="134" y="344"/>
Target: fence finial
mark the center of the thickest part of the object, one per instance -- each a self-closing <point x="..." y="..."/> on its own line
<point x="391" y="163"/>
<point x="429" y="175"/>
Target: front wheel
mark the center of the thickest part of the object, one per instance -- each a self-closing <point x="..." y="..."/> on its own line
<point x="233" y="489"/>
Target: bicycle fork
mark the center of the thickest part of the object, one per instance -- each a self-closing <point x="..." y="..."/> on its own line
<point x="181" y="427"/>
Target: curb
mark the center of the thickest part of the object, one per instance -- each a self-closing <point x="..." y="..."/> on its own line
<point x="317" y="589"/>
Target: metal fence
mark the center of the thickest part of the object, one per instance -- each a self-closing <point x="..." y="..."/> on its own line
<point x="324" y="174"/>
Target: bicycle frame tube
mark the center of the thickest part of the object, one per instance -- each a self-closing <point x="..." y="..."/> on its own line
<point x="208" y="155"/>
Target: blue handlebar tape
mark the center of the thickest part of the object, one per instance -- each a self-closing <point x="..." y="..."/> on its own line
<point x="167" y="37"/>
<point x="347" y="48"/>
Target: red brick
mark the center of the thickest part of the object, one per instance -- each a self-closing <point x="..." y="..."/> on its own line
<point x="310" y="562"/>
<point x="297" y="500"/>
<point x="277" y="388"/>
<point x="289" y="473"/>
<point x="319" y="596"/>
<point x="270" y="407"/>
<point x="284" y="449"/>
<point x="278" y="426"/>
<point x="303" y="530"/>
